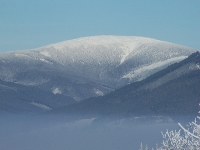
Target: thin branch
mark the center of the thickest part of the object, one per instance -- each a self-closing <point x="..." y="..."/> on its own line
<point x="188" y="131"/>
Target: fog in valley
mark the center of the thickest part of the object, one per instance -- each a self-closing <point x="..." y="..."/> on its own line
<point x="61" y="133"/>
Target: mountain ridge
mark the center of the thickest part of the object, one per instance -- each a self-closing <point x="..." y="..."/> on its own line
<point x="179" y="95"/>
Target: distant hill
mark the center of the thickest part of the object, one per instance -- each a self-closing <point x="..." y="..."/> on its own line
<point x="172" y="91"/>
<point x="15" y="98"/>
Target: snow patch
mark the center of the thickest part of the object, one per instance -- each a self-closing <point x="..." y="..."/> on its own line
<point x="56" y="91"/>
<point x="46" y="61"/>
<point x="82" y="62"/>
<point x="194" y="66"/>
<point x="198" y="66"/>
<point x="41" y="106"/>
<point x="45" y="53"/>
<point x="29" y="82"/>
<point x="22" y="55"/>
<point x="127" y="50"/>
<point x="98" y="92"/>
<point x="143" y="72"/>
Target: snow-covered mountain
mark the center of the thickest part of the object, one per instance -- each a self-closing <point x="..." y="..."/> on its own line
<point x="90" y="66"/>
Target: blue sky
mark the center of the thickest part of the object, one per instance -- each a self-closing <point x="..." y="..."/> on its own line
<point x="27" y="24"/>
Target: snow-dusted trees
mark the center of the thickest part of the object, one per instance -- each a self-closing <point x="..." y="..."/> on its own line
<point x="143" y="147"/>
<point x="184" y="139"/>
<point x="188" y="140"/>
